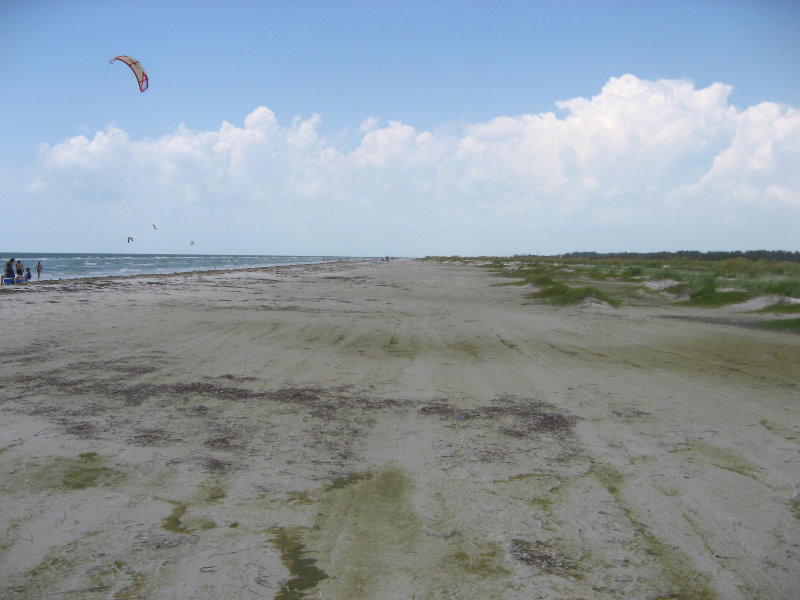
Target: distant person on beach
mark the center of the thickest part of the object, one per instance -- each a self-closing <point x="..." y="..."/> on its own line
<point x="28" y="275"/>
<point x="39" y="270"/>
<point x="9" y="272"/>
<point x="19" y="268"/>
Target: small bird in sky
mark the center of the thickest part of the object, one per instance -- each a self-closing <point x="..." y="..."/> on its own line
<point x="130" y="239"/>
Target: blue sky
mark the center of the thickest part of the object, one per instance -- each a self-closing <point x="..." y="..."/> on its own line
<point x="406" y="128"/>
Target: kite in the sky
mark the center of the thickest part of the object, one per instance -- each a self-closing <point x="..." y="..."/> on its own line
<point x="130" y="239"/>
<point x="154" y="227"/>
<point x="191" y="243"/>
<point x="136" y="67"/>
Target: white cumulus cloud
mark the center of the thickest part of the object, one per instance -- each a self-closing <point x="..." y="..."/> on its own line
<point x="642" y="165"/>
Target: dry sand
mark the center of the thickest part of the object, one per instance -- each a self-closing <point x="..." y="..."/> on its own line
<point x="389" y="431"/>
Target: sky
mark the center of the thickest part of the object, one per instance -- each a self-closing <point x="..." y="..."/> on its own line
<point x="400" y="128"/>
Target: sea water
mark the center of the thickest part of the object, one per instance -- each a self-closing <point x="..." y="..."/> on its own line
<point x="72" y="266"/>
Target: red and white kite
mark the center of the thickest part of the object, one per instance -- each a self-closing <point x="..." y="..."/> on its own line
<point x="136" y="67"/>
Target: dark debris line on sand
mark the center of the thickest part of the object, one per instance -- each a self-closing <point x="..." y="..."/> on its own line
<point x="530" y="416"/>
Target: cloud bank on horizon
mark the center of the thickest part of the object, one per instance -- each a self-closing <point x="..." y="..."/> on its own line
<point x="643" y="165"/>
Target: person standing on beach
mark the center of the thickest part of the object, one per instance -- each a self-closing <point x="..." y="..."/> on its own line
<point x="10" y="270"/>
<point x="39" y="270"/>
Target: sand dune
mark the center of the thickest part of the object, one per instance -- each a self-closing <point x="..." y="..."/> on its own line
<point x="391" y="430"/>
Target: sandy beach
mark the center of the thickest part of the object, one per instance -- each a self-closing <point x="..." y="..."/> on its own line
<point x="391" y="430"/>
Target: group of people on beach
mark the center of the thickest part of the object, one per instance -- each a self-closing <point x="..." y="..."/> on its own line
<point x="16" y="273"/>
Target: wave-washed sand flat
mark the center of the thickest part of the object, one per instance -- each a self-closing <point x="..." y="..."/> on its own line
<point x="389" y="431"/>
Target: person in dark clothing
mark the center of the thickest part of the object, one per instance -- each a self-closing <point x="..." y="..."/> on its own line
<point x="9" y="272"/>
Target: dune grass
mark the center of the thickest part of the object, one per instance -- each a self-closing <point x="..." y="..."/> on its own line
<point x="782" y="324"/>
<point x="711" y="280"/>
<point x="715" y="299"/>
<point x="783" y="308"/>
<point x="562" y="294"/>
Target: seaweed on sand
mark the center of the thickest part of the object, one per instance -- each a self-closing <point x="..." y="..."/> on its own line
<point x="543" y="556"/>
<point x="524" y="416"/>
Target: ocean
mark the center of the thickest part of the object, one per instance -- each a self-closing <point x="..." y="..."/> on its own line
<point x="72" y="266"/>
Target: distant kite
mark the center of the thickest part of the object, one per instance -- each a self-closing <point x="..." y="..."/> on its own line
<point x="136" y="67"/>
<point x="130" y="239"/>
<point x="154" y="227"/>
<point x="191" y="243"/>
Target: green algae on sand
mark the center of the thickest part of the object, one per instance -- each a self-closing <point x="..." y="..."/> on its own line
<point x="60" y="473"/>
<point x="305" y="573"/>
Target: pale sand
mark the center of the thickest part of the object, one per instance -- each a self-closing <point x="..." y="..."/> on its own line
<point x="392" y="430"/>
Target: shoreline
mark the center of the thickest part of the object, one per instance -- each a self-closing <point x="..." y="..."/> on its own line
<point x="68" y="266"/>
<point x="383" y="430"/>
<point x="181" y="273"/>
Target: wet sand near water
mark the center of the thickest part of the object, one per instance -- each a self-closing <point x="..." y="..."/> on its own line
<point x="389" y="430"/>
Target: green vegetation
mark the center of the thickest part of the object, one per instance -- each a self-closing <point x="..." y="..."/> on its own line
<point x="708" y="280"/>
<point x="781" y="308"/>
<point x="173" y="521"/>
<point x="711" y="298"/>
<point x="87" y="470"/>
<point x="684" y="581"/>
<point x="484" y="564"/>
<point x="559" y="293"/>
<point x="782" y="324"/>
<point x="608" y="476"/>
<point x="305" y="573"/>
<point x="349" y="479"/>
<point x="213" y="493"/>
<point x="366" y="525"/>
